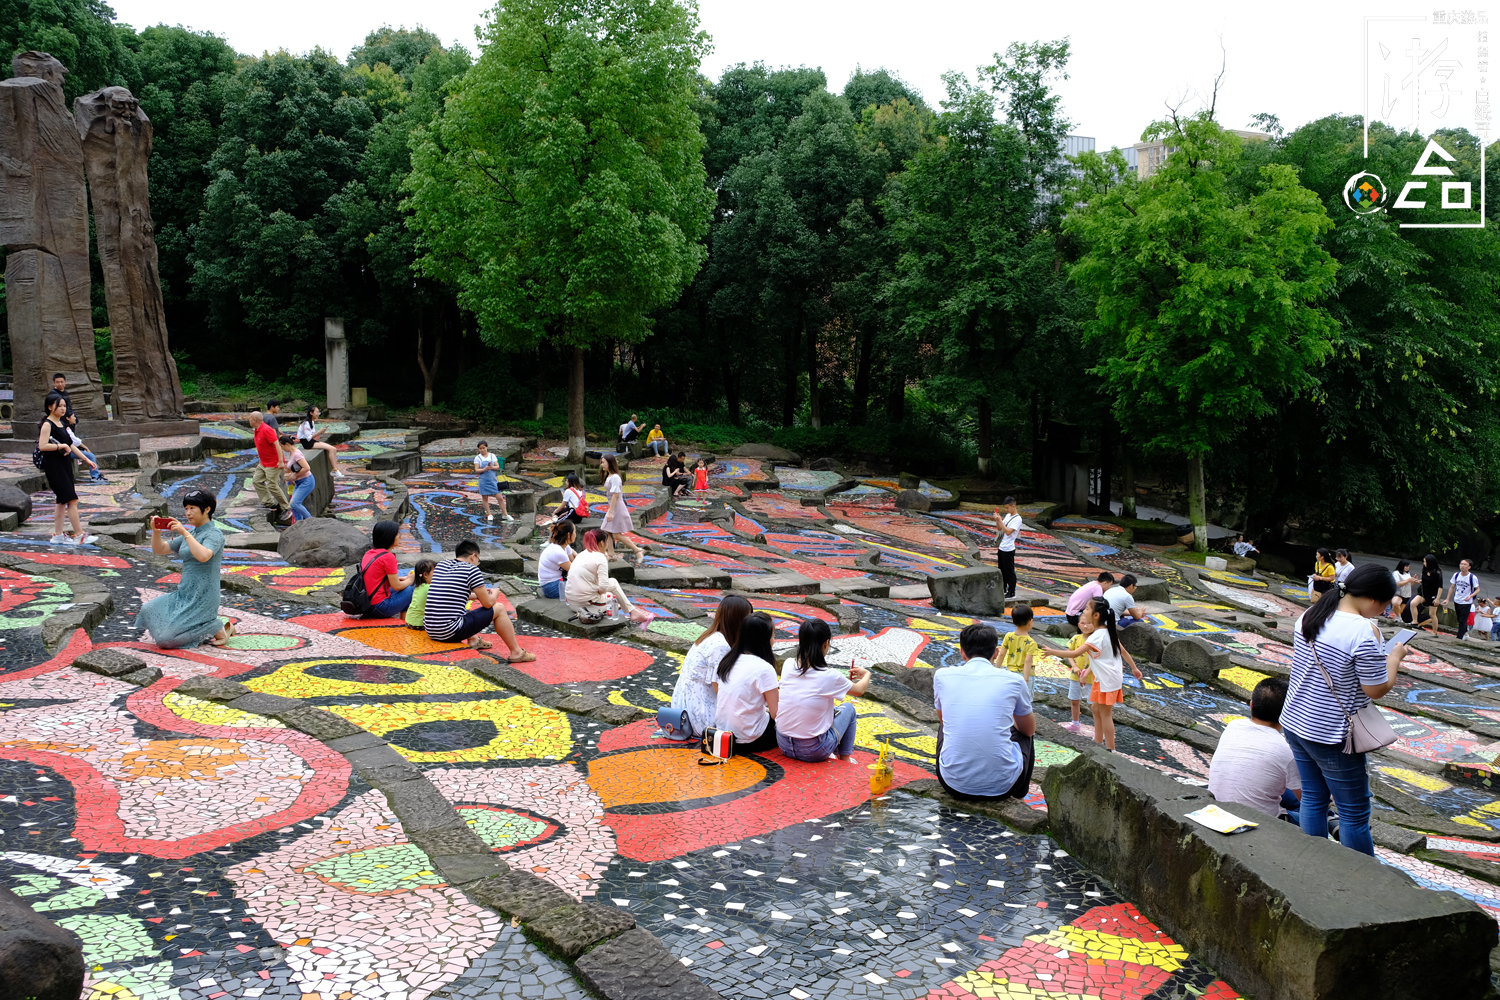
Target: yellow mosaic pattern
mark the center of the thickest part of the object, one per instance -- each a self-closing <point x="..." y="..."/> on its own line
<point x="1426" y="782"/>
<point x="992" y="987"/>
<point x="1112" y="947"/>
<point x="210" y="713"/>
<point x="871" y="723"/>
<point x="524" y="729"/>
<point x="1246" y="679"/>
<point x="296" y="680"/>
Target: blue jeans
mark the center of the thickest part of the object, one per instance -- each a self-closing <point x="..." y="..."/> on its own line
<point x="839" y="739"/>
<point x="1292" y="804"/>
<point x="553" y="590"/>
<point x="94" y="473"/>
<point x="663" y="443"/>
<point x="392" y="607"/>
<point x="1327" y="772"/>
<point x="303" y="487"/>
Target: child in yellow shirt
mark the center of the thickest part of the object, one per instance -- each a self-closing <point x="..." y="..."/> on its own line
<point x="1080" y="677"/>
<point x="1018" y="647"/>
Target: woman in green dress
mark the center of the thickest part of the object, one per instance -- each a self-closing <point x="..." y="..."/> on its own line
<point x="190" y="614"/>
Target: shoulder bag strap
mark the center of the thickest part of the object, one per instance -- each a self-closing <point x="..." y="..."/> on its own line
<point x="1312" y="646"/>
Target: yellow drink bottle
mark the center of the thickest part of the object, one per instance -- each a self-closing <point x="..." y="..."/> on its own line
<point x="882" y="772"/>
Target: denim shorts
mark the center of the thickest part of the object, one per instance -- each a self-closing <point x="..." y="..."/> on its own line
<point x="1076" y="691"/>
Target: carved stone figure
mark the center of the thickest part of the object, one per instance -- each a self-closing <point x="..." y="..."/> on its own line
<point x="116" y="136"/>
<point x="44" y="228"/>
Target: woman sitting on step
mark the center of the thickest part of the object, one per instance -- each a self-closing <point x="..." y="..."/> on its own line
<point x="589" y="589"/>
<point x="694" y="693"/>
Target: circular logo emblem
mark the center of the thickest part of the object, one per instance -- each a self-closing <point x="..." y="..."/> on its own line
<point x="1364" y="194"/>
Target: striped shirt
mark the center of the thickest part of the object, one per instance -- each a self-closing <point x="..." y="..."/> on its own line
<point x="1350" y="649"/>
<point x="448" y="597"/>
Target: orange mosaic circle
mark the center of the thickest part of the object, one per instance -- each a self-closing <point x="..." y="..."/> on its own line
<point x="644" y="777"/>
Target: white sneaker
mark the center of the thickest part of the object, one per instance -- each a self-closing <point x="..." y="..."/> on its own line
<point x="506" y="517"/>
<point x="489" y="517"/>
<point x="86" y="540"/>
<point x="60" y="539"/>
<point x="339" y="474"/>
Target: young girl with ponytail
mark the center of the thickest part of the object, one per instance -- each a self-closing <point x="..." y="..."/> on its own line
<point x="1107" y="661"/>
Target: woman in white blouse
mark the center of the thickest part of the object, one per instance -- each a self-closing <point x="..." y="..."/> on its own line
<point x="589" y="588"/>
<point x="694" y="693"/>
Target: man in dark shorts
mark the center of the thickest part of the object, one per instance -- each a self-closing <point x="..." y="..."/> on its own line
<point x="446" y="618"/>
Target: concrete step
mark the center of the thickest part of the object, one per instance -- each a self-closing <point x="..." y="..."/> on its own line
<point x="777" y="583"/>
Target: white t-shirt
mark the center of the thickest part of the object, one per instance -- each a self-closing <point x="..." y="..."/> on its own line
<point x="1107" y="667"/>
<point x="741" y="703"/>
<point x="626" y="428"/>
<point x="1406" y="589"/>
<point x="573" y="498"/>
<point x="805" y="708"/>
<point x="1341" y="571"/>
<point x="613" y="485"/>
<point x="1008" y="542"/>
<point x="694" y="692"/>
<point x="1252" y="766"/>
<point x="1120" y="599"/>
<point x="305" y="431"/>
<point x="490" y="461"/>
<point x="1464" y="588"/>
<point x="549" y="566"/>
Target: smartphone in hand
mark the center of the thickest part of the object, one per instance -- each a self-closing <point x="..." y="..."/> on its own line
<point x="1405" y="635"/>
<point x="163" y="523"/>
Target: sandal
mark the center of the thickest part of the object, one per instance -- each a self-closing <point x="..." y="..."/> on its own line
<point x="482" y="644"/>
<point x="527" y="656"/>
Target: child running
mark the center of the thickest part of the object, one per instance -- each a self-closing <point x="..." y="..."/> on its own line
<point x="1107" y="662"/>
<point x="1018" y="648"/>
<point x="422" y="573"/>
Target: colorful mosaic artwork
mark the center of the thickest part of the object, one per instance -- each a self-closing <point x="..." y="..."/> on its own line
<point x="202" y="851"/>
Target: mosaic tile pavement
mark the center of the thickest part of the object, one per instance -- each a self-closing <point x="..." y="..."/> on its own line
<point x="202" y="852"/>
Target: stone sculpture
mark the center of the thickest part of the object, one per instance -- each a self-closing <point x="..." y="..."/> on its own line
<point x="116" y="137"/>
<point x="44" y="229"/>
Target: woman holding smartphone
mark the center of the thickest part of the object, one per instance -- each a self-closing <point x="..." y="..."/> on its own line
<point x="190" y="614"/>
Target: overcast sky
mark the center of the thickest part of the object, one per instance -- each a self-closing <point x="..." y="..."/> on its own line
<point x="1299" y="61"/>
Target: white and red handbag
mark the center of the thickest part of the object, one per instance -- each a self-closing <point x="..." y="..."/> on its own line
<point x="718" y="744"/>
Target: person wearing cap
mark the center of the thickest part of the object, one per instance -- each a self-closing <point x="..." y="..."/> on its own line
<point x="1007" y="533"/>
<point x="190" y="614"/>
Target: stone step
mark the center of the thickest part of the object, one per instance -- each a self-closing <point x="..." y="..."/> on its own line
<point x="858" y="586"/>
<point x="777" y="583"/>
<point x="266" y="541"/>
<point x="694" y="577"/>
<point x="557" y="615"/>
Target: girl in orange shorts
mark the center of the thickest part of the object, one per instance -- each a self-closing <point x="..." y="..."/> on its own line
<point x="1107" y="660"/>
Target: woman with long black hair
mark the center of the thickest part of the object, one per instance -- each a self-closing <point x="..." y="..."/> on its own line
<point x="813" y="726"/>
<point x="694" y="693"/>
<point x="1339" y="665"/>
<point x="1432" y="585"/>
<point x="745" y="697"/>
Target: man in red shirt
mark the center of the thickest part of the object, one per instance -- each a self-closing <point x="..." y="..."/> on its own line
<point x="267" y="475"/>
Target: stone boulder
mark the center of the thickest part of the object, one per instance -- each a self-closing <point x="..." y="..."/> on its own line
<point x="913" y="500"/>
<point x="1191" y="657"/>
<point x="976" y="591"/>
<point x="909" y="481"/>
<point x="1279" y="914"/>
<point x="38" y="959"/>
<point x="13" y="498"/>
<point x="1143" y="641"/>
<point x="828" y="465"/>
<point x="1148" y="588"/>
<point x="770" y="451"/>
<point x="323" y="541"/>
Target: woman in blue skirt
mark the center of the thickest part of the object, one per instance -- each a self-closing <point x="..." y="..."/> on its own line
<point x="488" y="467"/>
<point x="190" y="614"/>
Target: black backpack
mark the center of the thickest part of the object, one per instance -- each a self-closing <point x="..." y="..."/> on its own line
<point x="356" y="598"/>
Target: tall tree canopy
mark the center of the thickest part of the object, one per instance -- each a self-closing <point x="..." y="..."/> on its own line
<point x="562" y="190"/>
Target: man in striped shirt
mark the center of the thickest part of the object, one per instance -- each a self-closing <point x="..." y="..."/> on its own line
<point x="447" y="618"/>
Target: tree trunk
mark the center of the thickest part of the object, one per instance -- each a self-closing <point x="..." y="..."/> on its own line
<point x="985" y="444"/>
<point x="815" y="408"/>
<point x="1196" y="513"/>
<point x="576" y="440"/>
<point x="861" y="405"/>
<point x="895" y="403"/>
<point x="429" y="375"/>
<point x="1107" y="464"/>
<point x="789" y="385"/>
<point x="1127" y="487"/>
<point x="732" y="393"/>
<point x="540" y="382"/>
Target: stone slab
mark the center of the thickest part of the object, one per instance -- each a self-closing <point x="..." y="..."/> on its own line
<point x="920" y="711"/>
<point x="265" y="541"/>
<point x="109" y="662"/>
<point x="910" y="592"/>
<point x="1143" y="642"/>
<point x="420" y="806"/>
<point x="776" y="583"/>
<point x="857" y="586"/>
<point x="1148" y="588"/>
<point x="320" y="724"/>
<point x="1012" y="812"/>
<point x="265" y="704"/>
<point x="461" y="869"/>
<point x="519" y="894"/>
<point x="636" y="966"/>
<point x="557" y="615"/>
<point x="619" y="715"/>
<point x="582" y="704"/>
<point x="682" y="577"/>
<point x="571" y="930"/>
<point x="212" y="688"/>
<point x="511" y="677"/>
<point x="127" y="533"/>
<point x="1277" y="913"/>
<point x="447" y="840"/>
<point x="361" y="741"/>
<point x="1194" y="658"/>
<point x="144" y="677"/>
<point x="974" y="591"/>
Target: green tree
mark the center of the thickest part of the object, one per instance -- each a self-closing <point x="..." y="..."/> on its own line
<point x="402" y="49"/>
<point x="562" y="190"/>
<point x="1209" y="292"/>
<point x="878" y="88"/>
<point x="80" y="34"/>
